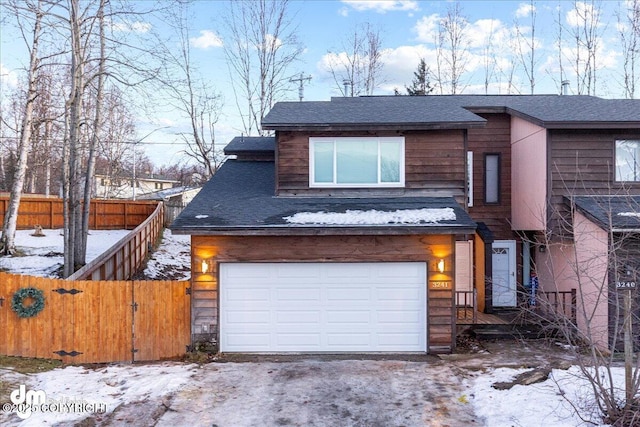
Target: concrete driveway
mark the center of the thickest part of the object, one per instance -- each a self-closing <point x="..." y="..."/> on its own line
<point x="383" y="391"/>
<point x="323" y="393"/>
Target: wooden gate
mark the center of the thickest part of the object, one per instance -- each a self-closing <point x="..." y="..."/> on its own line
<point x="97" y="321"/>
<point x="161" y="319"/>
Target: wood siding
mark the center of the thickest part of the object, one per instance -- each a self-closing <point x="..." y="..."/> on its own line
<point x="429" y="249"/>
<point x="582" y="163"/>
<point x="101" y="321"/>
<point x="495" y="138"/>
<point x="434" y="162"/>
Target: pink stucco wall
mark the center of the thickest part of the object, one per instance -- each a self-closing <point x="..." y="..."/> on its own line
<point x="528" y="175"/>
<point x="582" y="265"/>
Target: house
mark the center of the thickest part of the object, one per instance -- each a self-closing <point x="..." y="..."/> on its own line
<point x="361" y="223"/>
<point x="175" y="199"/>
<point x="120" y="187"/>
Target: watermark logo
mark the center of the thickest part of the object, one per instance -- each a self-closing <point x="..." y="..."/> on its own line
<point x="25" y="400"/>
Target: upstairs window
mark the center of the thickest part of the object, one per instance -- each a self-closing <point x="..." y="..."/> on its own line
<point x="628" y="160"/>
<point x="356" y="162"/>
<point x="492" y="178"/>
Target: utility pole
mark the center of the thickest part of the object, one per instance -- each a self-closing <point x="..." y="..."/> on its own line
<point x="301" y="80"/>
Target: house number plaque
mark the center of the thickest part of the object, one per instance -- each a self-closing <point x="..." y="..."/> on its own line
<point x="625" y="285"/>
<point x="442" y="285"/>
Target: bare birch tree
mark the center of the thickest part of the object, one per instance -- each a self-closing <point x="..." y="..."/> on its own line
<point x="35" y="10"/>
<point x="586" y="31"/>
<point x="629" y="33"/>
<point x="452" y="50"/>
<point x="527" y="46"/>
<point x="190" y="94"/>
<point x="260" y="47"/>
<point x="356" y="69"/>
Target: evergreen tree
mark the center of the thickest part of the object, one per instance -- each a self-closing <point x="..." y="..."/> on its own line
<point x="420" y="84"/>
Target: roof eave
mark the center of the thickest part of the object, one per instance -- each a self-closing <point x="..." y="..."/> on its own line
<point x="372" y="126"/>
<point x="281" y="230"/>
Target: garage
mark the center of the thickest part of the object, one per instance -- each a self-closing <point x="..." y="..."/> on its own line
<point x="323" y="307"/>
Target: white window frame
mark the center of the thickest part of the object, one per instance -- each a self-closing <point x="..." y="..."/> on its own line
<point x="334" y="184"/>
<point x="636" y="171"/>
<point x="470" y="179"/>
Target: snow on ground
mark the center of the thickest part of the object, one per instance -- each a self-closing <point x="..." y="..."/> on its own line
<point x="43" y="256"/>
<point x="539" y="404"/>
<point x="76" y="392"/>
<point x="303" y="392"/>
<point x="374" y="217"/>
<point x="171" y="260"/>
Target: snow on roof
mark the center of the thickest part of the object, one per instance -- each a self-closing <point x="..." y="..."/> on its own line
<point x="374" y="217"/>
<point x="629" y="214"/>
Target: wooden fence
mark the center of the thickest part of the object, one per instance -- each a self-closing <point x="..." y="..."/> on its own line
<point x="104" y="214"/>
<point x="124" y="258"/>
<point x="97" y="321"/>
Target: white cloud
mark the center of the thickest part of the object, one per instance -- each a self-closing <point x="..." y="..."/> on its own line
<point x="381" y="6"/>
<point x="7" y="77"/>
<point x="131" y="26"/>
<point x="524" y="10"/>
<point x="206" y="40"/>
<point x="427" y="28"/>
<point x="583" y="12"/>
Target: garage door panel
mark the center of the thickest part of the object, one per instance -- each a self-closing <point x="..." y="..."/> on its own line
<point x="352" y="271"/>
<point x="297" y="295"/>
<point x="341" y="317"/>
<point x="256" y="317"/>
<point x="323" y="307"/>
<point x="399" y="294"/>
<point x="401" y="317"/>
<point x="298" y="340"/>
<point x="349" y="342"/>
<point x="248" y="294"/>
<point x="349" y="294"/>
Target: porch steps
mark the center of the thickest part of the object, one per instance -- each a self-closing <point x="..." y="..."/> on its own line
<point x="507" y="332"/>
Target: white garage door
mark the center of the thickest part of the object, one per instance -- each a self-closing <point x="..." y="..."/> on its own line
<point x="322" y="307"/>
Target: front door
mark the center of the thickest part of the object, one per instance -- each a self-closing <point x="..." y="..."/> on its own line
<point x="504" y="273"/>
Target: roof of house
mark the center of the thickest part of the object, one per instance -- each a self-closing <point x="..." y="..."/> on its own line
<point x="239" y="199"/>
<point x="451" y="111"/>
<point x="168" y="193"/>
<point x="610" y="212"/>
<point x="250" y="144"/>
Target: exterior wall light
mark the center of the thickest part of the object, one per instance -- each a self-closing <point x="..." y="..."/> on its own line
<point x="205" y="266"/>
<point x="441" y="266"/>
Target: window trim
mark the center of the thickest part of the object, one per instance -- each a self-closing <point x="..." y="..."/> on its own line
<point x="498" y="178"/>
<point x="334" y="184"/>
<point x="615" y="160"/>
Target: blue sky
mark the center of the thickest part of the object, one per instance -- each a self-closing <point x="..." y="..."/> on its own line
<point x="407" y="31"/>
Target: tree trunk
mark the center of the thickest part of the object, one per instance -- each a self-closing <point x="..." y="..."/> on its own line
<point x="7" y="241"/>
<point x="91" y="161"/>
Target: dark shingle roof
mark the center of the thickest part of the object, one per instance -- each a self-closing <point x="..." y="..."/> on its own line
<point x="240" y="197"/>
<point x="250" y="144"/>
<point x="611" y="213"/>
<point x="451" y="111"/>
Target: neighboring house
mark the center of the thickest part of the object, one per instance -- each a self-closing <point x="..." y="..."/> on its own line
<point x="110" y="187"/>
<point x="175" y="199"/>
<point x="353" y="228"/>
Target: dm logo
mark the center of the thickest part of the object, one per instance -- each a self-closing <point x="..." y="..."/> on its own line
<point x="25" y="400"/>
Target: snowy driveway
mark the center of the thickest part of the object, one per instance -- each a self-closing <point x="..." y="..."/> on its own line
<point x="323" y="393"/>
<point x="453" y="390"/>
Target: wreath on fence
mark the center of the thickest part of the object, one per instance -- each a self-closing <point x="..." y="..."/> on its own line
<point x="17" y="302"/>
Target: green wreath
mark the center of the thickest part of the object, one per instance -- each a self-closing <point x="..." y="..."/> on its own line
<point x="17" y="302"/>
